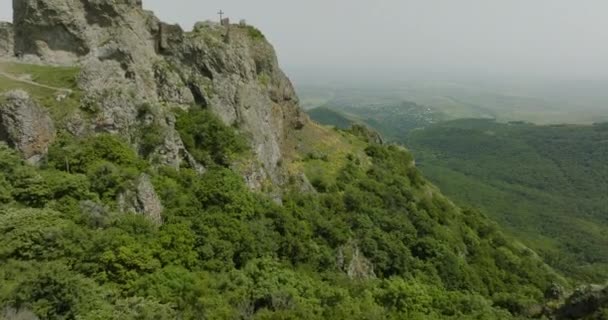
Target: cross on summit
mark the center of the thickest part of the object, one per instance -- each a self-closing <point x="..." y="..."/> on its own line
<point x="221" y="13"/>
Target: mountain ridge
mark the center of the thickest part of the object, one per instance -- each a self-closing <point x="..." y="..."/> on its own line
<point x="184" y="181"/>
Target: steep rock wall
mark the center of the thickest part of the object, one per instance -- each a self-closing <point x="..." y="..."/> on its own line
<point x="129" y="58"/>
<point x="6" y="39"/>
<point x="237" y="75"/>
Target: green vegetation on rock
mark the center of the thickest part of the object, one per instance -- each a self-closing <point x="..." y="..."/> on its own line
<point x="254" y="33"/>
<point x="207" y="138"/>
<point x="379" y="242"/>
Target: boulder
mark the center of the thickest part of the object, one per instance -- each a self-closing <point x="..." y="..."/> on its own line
<point x="143" y="199"/>
<point x="352" y="261"/>
<point x="148" y="201"/>
<point x="26" y="126"/>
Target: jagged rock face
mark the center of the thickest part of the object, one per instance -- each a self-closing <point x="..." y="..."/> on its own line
<point x="63" y="30"/>
<point x="238" y="77"/>
<point x="6" y="39"/>
<point x="91" y="33"/>
<point x="142" y="200"/>
<point x="51" y="30"/>
<point x="114" y="43"/>
<point x="129" y="58"/>
<point x="352" y="261"/>
<point x="26" y="126"/>
<point x="148" y="201"/>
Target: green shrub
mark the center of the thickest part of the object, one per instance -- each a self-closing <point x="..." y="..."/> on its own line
<point x="207" y="138"/>
<point x="254" y="33"/>
<point x="151" y="138"/>
<point x="79" y="155"/>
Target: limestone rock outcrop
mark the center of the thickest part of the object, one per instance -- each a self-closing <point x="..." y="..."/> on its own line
<point x="240" y="80"/>
<point x="65" y="30"/>
<point x="6" y="39"/>
<point x="129" y="58"/>
<point x="25" y="125"/>
<point x="148" y="201"/>
<point x="143" y="199"/>
<point x="351" y="261"/>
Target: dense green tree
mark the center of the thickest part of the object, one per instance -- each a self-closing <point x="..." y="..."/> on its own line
<point x="378" y="242"/>
<point x="207" y="138"/>
<point x="546" y="184"/>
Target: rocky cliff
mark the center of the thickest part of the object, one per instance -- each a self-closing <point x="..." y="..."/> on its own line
<point x="25" y="125"/>
<point x="129" y="59"/>
<point x="6" y="39"/>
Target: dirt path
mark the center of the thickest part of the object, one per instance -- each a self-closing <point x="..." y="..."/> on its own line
<point x="18" y="79"/>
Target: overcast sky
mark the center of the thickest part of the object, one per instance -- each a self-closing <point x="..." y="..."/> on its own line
<point x="537" y="37"/>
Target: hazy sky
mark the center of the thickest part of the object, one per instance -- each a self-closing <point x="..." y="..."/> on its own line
<point x="537" y="37"/>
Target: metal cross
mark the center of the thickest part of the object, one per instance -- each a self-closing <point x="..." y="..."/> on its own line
<point x="221" y="13"/>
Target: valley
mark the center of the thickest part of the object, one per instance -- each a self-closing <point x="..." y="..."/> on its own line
<point x="546" y="184"/>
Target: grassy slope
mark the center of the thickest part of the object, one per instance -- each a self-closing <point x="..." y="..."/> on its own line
<point x="57" y="77"/>
<point x="62" y="77"/>
<point x="547" y="184"/>
<point x="331" y="117"/>
<point x="324" y="151"/>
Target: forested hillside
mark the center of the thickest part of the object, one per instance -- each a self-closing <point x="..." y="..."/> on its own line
<point x="547" y="184"/>
<point x="100" y="228"/>
<point x="170" y="174"/>
<point x="393" y="119"/>
<point x="377" y="242"/>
